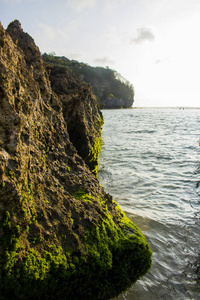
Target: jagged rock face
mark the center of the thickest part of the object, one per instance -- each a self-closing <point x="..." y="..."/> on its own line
<point x="59" y="230"/>
<point x="80" y="109"/>
<point x="31" y="52"/>
<point x="36" y="150"/>
<point x="33" y="59"/>
<point x="81" y="113"/>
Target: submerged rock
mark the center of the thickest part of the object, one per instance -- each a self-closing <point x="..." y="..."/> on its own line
<point x="61" y="235"/>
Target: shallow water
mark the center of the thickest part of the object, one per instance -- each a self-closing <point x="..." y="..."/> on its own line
<point x="150" y="163"/>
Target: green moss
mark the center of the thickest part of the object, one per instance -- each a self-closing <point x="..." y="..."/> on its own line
<point x="47" y="149"/>
<point x="34" y="240"/>
<point x="17" y="229"/>
<point x="106" y="243"/>
<point x="68" y="169"/>
<point x="30" y="199"/>
<point x="92" y="159"/>
<point x="9" y="173"/>
<point x="119" y="250"/>
<point x="34" y="267"/>
<point x="46" y="201"/>
<point x="24" y="184"/>
<point x="114" y="256"/>
<point x="24" y="212"/>
<point x="9" y="243"/>
<point x="82" y="195"/>
<point x="3" y="183"/>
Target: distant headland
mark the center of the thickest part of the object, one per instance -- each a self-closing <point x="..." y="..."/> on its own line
<point x="112" y="90"/>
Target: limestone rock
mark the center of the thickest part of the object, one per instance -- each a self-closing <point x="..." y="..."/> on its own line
<point x="61" y="235"/>
<point x="81" y="113"/>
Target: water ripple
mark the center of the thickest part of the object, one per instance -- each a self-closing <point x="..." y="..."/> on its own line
<point x="150" y="163"/>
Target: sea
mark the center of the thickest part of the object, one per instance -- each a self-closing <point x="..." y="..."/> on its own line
<point x="150" y="164"/>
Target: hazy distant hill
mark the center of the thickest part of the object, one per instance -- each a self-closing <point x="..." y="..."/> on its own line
<point x="111" y="89"/>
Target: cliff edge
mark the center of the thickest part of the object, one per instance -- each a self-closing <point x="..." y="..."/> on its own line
<point x="61" y="235"/>
<point x="112" y="90"/>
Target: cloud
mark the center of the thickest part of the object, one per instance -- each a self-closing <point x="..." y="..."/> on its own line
<point x="51" y="33"/>
<point x="157" y="62"/>
<point x="80" y="5"/>
<point x="111" y="32"/>
<point x="75" y="55"/>
<point x="14" y="1"/>
<point x="47" y="31"/>
<point x="104" y="61"/>
<point x="51" y="38"/>
<point x="143" y="35"/>
<point x="113" y="35"/>
<point x="163" y="61"/>
<point x="110" y="5"/>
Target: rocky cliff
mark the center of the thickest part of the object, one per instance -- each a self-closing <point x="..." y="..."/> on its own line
<point x="111" y="89"/>
<point x="61" y="235"/>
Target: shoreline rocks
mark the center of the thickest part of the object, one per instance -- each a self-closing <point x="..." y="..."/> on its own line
<point x="61" y="234"/>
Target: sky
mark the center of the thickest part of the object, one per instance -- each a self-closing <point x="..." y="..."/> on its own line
<point x="154" y="44"/>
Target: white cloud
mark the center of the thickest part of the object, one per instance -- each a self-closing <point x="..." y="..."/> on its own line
<point x="158" y="61"/>
<point x="112" y="32"/>
<point x="14" y="1"/>
<point x="110" y="5"/>
<point x="75" y="55"/>
<point x="80" y="5"/>
<point x="144" y="34"/>
<point x="113" y="35"/>
<point x="47" y="31"/>
<point x="50" y="38"/>
<point x="104" y="61"/>
<point x="163" y="61"/>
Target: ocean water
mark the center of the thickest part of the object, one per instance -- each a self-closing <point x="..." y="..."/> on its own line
<point x="150" y="164"/>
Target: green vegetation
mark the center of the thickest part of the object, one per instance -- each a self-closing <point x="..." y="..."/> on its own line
<point x="115" y="255"/>
<point x="108" y="84"/>
<point x="82" y="195"/>
<point x="9" y="173"/>
<point x="93" y="157"/>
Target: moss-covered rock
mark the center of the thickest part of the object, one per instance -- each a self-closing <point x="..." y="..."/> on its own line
<point x="113" y="258"/>
<point x="81" y="113"/>
<point x="61" y="235"/>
